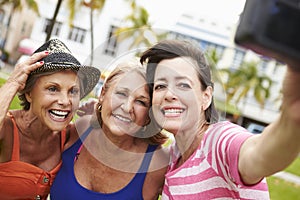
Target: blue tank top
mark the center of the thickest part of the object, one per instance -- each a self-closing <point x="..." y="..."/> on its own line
<point x="66" y="187"/>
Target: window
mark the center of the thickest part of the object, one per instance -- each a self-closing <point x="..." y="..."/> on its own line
<point x="77" y="34"/>
<point x="277" y="66"/>
<point x="237" y="59"/>
<point x="111" y="44"/>
<point x="219" y="49"/>
<point x="263" y="64"/>
<point x="56" y="28"/>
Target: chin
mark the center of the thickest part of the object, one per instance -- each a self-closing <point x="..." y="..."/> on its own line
<point x="58" y="127"/>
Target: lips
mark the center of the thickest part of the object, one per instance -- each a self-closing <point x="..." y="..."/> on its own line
<point x="59" y="114"/>
<point x="172" y="112"/>
<point x="122" y="118"/>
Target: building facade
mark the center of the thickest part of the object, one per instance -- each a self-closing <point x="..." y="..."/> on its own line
<point x="209" y="33"/>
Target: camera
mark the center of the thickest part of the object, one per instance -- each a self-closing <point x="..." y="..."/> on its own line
<point x="271" y="28"/>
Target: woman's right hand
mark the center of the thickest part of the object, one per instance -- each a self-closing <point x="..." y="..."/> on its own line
<point x="23" y="69"/>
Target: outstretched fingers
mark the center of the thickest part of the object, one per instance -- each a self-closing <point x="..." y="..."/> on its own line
<point x="22" y="70"/>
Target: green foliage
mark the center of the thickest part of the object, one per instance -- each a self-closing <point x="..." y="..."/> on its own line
<point x="2" y="81"/>
<point x="294" y="168"/>
<point x="18" y="5"/>
<point x="74" y="6"/>
<point x="213" y="59"/>
<point x="15" y="104"/>
<point x="281" y="189"/>
<point x="139" y="28"/>
<point x="227" y="107"/>
<point x="240" y="82"/>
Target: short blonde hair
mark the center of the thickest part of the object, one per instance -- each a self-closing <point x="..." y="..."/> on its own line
<point x="134" y="66"/>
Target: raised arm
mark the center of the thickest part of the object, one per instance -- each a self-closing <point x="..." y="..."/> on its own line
<point x="279" y="143"/>
<point x="17" y="81"/>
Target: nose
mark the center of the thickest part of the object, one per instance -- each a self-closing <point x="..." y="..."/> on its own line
<point x="127" y="106"/>
<point x="64" y="99"/>
<point x="170" y="95"/>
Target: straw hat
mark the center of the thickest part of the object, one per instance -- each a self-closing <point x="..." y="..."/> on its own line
<point x="61" y="58"/>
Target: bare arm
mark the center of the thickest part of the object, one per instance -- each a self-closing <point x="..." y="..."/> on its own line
<point x="279" y="144"/>
<point x="16" y="82"/>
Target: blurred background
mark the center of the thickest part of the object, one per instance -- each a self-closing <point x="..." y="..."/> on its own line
<point x="247" y="85"/>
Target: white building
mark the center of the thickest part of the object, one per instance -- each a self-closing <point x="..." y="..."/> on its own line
<point x="211" y="33"/>
<point x="205" y="30"/>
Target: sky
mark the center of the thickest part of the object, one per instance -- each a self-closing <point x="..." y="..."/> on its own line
<point x="165" y="12"/>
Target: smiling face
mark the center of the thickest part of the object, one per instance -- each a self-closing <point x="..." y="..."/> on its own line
<point x="178" y="99"/>
<point x="125" y="104"/>
<point x="55" y="98"/>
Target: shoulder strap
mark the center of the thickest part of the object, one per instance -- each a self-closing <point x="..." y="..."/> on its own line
<point x="63" y="138"/>
<point x="147" y="158"/>
<point x="16" y="144"/>
<point x="82" y="138"/>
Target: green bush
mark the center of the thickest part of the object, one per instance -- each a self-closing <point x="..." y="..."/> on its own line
<point x="15" y="104"/>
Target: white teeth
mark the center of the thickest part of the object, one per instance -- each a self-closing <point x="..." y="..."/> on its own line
<point x="172" y="111"/>
<point x="122" y="118"/>
<point x="59" y="114"/>
<point x="58" y="117"/>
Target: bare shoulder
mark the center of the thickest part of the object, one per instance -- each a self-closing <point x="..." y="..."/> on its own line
<point x="156" y="175"/>
<point x="161" y="157"/>
<point x="159" y="163"/>
<point x="76" y="129"/>
<point x="6" y="139"/>
<point x="7" y="127"/>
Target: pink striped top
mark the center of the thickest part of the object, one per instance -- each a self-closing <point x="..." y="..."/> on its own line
<point x="212" y="171"/>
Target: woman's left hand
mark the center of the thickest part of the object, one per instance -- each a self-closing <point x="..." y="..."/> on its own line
<point x="87" y="107"/>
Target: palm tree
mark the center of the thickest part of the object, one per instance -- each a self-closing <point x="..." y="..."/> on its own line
<point x="140" y="28"/>
<point x="93" y="5"/>
<point x="240" y="82"/>
<point x="16" y="5"/>
<point x="213" y="59"/>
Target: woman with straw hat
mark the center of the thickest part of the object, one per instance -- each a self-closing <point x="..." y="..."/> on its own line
<point x="50" y="85"/>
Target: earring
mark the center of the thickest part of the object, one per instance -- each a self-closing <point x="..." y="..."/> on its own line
<point x="144" y="128"/>
<point x="96" y="120"/>
<point x="99" y="108"/>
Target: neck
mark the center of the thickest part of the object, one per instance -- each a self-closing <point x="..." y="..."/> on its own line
<point x="112" y="141"/>
<point x="189" y="141"/>
<point x="30" y="126"/>
<point x="118" y="152"/>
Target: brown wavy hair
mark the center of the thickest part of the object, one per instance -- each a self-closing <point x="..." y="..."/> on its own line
<point x="168" y="49"/>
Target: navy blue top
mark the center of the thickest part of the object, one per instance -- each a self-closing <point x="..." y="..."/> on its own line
<point x="66" y="187"/>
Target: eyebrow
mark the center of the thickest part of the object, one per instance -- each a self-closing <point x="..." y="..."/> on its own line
<point x="129" y="91"/>
<point x="176" y="78"/>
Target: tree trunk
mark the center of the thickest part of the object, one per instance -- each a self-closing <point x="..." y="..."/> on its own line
<point x="92" y="36"/>
<point x="53" y="20"/>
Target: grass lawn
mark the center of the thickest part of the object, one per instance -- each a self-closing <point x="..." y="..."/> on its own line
<point x="15" y="104"/>
<point x="280" y="189"/>
<point x="294" y="168"/>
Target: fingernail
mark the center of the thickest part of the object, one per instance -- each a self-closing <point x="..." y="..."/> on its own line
<point x="46" y="52"/>
<point x="41" y="62"/>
